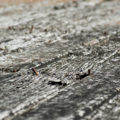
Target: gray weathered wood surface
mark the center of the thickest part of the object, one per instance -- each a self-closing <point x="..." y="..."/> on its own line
<point x="60" y="41"/>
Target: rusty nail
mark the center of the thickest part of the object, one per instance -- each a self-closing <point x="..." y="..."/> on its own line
<point x="36" y="73"/>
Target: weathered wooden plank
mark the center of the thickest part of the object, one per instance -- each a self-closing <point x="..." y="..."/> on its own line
<point x="36" y="88"/>
<point x="59" y="43"/>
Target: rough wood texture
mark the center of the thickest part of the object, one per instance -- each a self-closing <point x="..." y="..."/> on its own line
<point x="60" y="42"/>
